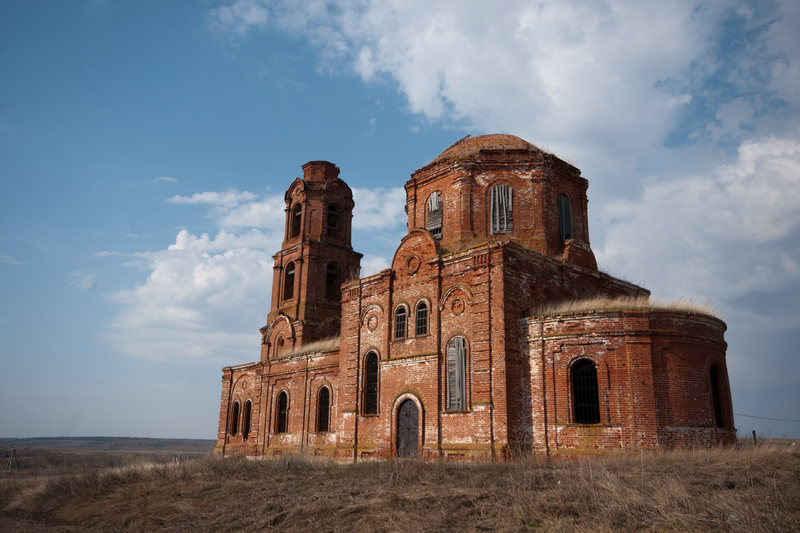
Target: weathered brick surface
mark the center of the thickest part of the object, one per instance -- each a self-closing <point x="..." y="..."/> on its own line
<point x="653" y="368"/>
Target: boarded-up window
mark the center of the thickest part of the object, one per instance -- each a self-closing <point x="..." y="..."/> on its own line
<point x="246" y="419"/>
<point x="719" y="419"/>
<point x="584" y="392"/>
<point x="371" y="384"/>
<point x="333" y="219"/>
<point x="456" y="374"/>
<point x="501" y="209"/>
<point x="282" y="414"/>
<point x="333" y="283"/>
<point x="234" y="421"/>
<point x="422" y="319"/>
<point x="435" y="214"/>
<point x="297" y="218"/>
<point x="323" y="409"/>
<point x="288" y="282"/>
<point x="564" y="217"/>
<point x="400" y="317"/>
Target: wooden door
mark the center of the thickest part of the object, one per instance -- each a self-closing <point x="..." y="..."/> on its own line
<point x="408" y="429"/>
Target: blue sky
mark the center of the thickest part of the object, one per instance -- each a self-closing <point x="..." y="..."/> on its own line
<point x="145" y="148"/>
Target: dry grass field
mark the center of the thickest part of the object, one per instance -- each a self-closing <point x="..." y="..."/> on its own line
<point x="733" y="489"/>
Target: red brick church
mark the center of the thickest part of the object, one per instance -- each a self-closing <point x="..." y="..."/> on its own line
<point x="469" y="346"/>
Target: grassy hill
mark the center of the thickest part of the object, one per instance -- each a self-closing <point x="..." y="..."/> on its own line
<point x="733" y="489"/>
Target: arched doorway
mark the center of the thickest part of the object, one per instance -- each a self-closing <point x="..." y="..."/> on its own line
<point x="408" y="429"/>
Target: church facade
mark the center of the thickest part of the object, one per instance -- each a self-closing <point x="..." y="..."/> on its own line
<point x="460" y="350"/>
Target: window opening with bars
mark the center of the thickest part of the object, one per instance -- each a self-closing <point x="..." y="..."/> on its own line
<point x="422" y="319"/>
<point x="585" y="392"/>
<point x="371" y="384"/>
<point x="435" y="214"/>
<point x="501" y="207"/>
<point x="400" y="317"/>
<point x="456" y="374"/>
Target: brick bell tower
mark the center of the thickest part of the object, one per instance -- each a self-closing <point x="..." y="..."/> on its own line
<point x="316" y="257"/>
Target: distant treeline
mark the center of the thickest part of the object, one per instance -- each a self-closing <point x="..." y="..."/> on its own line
<point x="111" y="443"/>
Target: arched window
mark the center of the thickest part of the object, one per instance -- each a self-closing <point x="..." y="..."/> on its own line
<point x="584" y="392"/>
<point x="297" y="218"/>
<point x="501" y="209"/>
<point x="371" y="384"/>
<point x="719" y="418"/>
<point x="246" y="419"/>
<point x="400" y="316"/>
<point x="288" y="282"/>
<point x="333" y="283"/>
<point x="282" y="414"/>
<point x="323" y="409"/>
<point x="333" y="219"/>
<point x="457" y="374"/>
<point x="435" y="214"/>
<point x="233" y="424"/>
<point x="422" y="319"/>
<point x="564" y="217"/>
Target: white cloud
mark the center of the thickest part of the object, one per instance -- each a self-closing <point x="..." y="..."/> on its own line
<point x="165" y="179"/>
<point x="239" y="17"/>
<point x="379" y="208"/>
<point x="82" y="281"/>
<point x="732" y="235"/>
<point x="205" y="296"/>
<point x="372" y="264"/>
<point x="223" y="200"/>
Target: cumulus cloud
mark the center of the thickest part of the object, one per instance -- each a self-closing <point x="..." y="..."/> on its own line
<point x="379" y="208"/>
<point x="731" y="234"/>
<point x="199" y="298"/>
<point x="205" y="296"/>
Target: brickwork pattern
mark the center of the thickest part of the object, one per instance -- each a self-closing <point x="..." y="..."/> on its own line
<point x="653" y="369"/>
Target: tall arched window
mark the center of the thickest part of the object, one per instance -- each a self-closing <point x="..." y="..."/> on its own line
<point x="457" y="374"/>
<point x="297" y="218"/>
<point x="584" y="392"/>
<point x="422" y="319"/>
<point x="371" y="384"/>
<point x="323" y="409"/>
<point x="400" y="316"/>
<point x="435" y="214"/>
<point x="719" y="418"/>
<point x="282" y="414"/>
<point x="333" y="219"/>
<point x="288" y="282"/>
<point x="564" y="217"/>
<point x="233" y="424"/>
<point x="333" y="283"/>
<point x="501" y="207"/>
<point x="246" y="419"/>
